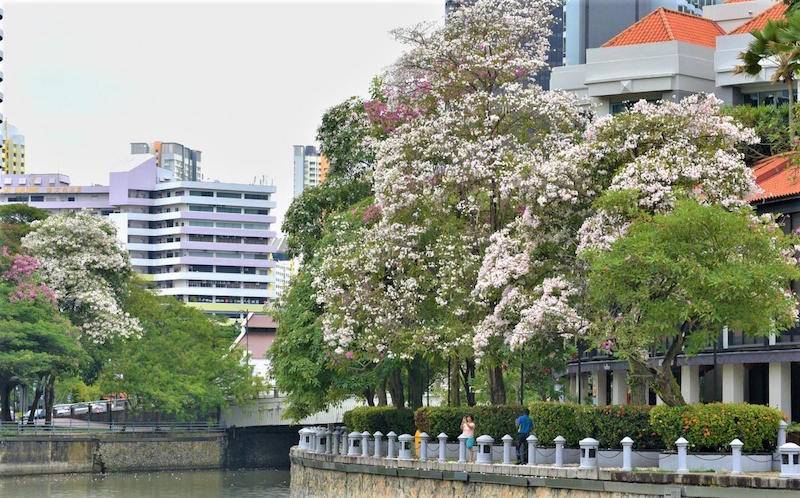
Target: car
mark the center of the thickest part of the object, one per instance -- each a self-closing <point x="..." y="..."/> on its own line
<point x="61" y="410"/>
<point x="98" y="407"/>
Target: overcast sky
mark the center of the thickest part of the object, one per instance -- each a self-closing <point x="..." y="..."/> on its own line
<point x="242" y="82"/>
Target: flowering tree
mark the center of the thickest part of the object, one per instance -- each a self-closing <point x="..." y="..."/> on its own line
<point x="82" y="262"/>
<point x="461" y="124"/>
<point x="37" y="342"/>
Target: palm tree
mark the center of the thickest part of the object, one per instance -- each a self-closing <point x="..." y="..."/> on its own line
<point x="778" y="44"/>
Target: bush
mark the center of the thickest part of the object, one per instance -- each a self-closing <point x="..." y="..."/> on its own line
<point x="551" y="419"/>
<point x="612" y="423"/>
<point x="380" y="418"/>
<point x="713" y="426"/>
<point x="495" y="420"/>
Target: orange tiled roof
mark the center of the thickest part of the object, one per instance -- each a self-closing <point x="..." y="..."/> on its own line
<point x="777" y="11"/>
<point x="668" y="25"/>
<point x="776" y="177"/>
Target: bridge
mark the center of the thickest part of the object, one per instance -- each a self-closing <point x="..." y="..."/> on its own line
<point x="269" y="409"/>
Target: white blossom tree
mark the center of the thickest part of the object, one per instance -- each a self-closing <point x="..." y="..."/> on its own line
<point x="463" y="119"/>
<point x="87" y="268"/>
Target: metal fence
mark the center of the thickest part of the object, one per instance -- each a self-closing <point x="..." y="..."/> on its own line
<point x="73" y="426"/>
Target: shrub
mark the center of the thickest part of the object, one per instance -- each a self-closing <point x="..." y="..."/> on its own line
<point x="551" y="419"/>
<point x="379" y="418"/>
<point x="612" y="423"/>
<point x="494" y="420"/>
<point x="713" y="426"/>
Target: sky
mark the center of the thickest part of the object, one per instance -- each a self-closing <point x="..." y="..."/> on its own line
<point x="241" y="82"/>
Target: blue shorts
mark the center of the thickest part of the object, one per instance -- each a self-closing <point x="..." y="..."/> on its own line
<point x="470" y="442"/>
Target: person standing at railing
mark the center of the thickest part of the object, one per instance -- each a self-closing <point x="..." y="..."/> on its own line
<point x="468" y="429"/>
<point x="524" y="425"/>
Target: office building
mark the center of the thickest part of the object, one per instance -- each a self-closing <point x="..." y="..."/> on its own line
<point x="307" y="167"/>
<point x="670" y="54"/>
<point x="206" y="243"/>
<point x="180" y="160"/>
<point x="12" y="156"/>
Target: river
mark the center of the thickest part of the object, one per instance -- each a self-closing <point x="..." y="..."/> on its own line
<point x="179" y="484"/>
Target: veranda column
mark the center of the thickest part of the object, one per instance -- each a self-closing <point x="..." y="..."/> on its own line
<point x="690" y="383"/>
<point x="619" y="387"/>
<point x="600" y="386"/>
<point x="780" y="386"/>
<point x="584" y="384"/>
<point x="732" y="383"/>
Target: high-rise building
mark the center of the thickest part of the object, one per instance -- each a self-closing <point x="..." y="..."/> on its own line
<point x="12" y="157"/>
<point x="181" y="160"/>
<point x="206" y="243"/>
<point x="555" y="57"/>
<point x="307" y="168"/>
<point x="590" y="23"/>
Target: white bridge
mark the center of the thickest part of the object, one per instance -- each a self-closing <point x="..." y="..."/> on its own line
<point x="268" y="410"/>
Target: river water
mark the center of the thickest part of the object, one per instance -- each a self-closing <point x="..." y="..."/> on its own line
<point x="180" y="484"/>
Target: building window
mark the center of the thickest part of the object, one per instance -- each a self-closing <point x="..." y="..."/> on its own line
<point x="194" y="207"/>
<point x="261" y="197"/>
<point x="772" y="97"/>
<point x="226" y="209"/>
<point x="201" y="193"/>
<point x="229" y="195"/>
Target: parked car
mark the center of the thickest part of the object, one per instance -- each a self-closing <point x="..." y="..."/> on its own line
<point x="61" y="410"/>
<point x="98" y="407"/>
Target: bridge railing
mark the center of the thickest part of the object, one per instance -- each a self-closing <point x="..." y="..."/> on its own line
<point x="67" y="426"/>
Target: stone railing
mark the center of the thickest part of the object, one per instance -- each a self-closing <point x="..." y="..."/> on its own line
<point x="588" y="457"/>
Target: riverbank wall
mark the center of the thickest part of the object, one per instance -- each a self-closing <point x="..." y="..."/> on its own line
<point x="322" y="475"/>
<point x="117" y="452"/>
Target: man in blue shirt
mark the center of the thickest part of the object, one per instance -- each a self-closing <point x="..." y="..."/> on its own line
<point x="524" y="428"/>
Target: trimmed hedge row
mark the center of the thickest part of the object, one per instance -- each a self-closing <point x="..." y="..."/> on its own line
<point x="496" y="420"/>
<point x="379" y="418"/>
<point x="709" y="427"/>
<point x="607" y="424"/>
<point x="713" y="426"/>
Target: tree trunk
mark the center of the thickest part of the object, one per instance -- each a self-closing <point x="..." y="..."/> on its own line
<point x="381" y="392"/>
<point x="396" y="389"/>
<point x="369" y="396"/>
<point x="5" y="405"/>
<point x="416" y="383"/>
<point x="49" y="399"/>
<point x="661" y="378"/>
<point x="497" y="385"/>
<point x="455" y="383"/>
<point x="468" y="375"/>
<point x="36" y="397"/>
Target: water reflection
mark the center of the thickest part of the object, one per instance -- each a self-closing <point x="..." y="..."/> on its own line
<point x="179" y="484"/>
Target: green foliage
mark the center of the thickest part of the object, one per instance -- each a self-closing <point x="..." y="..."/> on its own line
<point x="692" y="272"/>
<point x="712" y="427"/>
<point x="35" y="340"/>
<point x="304" y="221"/>
<point x="15" y="222"/>
<point x="496" y="420"/>
<point x="771" y="124"/>
<point x="74" y="389"/>
<point x="182" y="364"/>
<point x="343" y="137"/>
<point x="300" y="364"/>
<point x="380" y="418"/>
<point x="571" y="421"/>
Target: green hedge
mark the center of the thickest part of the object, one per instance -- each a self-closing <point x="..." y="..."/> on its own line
<point x="551" y="419"/>
<point x="495" y="420"/>
<point x="711" y="427"/>
<point x="612" y="423"/>
<point x="380" y="418"/>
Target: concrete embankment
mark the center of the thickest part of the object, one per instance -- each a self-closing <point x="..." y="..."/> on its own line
<point x="320" y="475"/>
<point x="56" y="454"/>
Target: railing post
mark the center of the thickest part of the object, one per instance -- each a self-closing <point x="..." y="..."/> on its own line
<point x="507" y="440"/>
<point x="532" y="442"/>
<point x="423" y="447"/>
<point x="329" y="441"/>
<point x="442" y="447"/>
<point x="681" y="444"/>
<point x="378" y="435"/>
<point x="354" y="440"/>
<point x="462" y="448"/>
<point x="588" y="453"/>
<point x="736" y="456"/>
<point x="345" y="438"/>
<point x="782" y="426"/>
<point x="559" y="441"/>
<point x="485" y="444"/>
<point x="392" y="436"/>
<point x="627" y="445"/>
<point x="790" y="460"/>
<point x="405" y="446"/>
<point x="335" y="441"/>
<point x="365" y="444"/>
